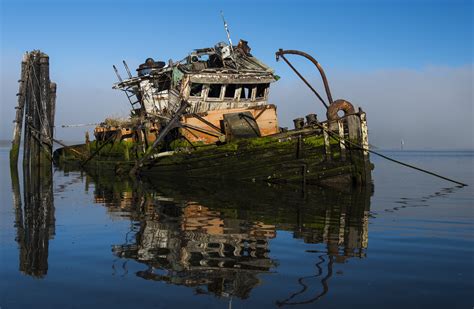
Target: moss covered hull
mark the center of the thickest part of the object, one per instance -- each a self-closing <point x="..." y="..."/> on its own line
<point x="292" y="159"/>
<point x="312" y="155"/>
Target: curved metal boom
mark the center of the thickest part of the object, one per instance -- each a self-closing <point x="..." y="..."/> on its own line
<point x="281" y="53"/>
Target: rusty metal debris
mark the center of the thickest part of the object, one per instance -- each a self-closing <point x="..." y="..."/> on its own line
<point x="339" y="105"/>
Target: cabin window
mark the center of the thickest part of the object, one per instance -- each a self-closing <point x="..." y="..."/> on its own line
<point x="196" y="90"/>
<point x="246" y="92"/>
<point x="162" y="83"/>
<point x="261" y="90"/>
<point x="230" y="91"/>
<point x="214" y="91"/>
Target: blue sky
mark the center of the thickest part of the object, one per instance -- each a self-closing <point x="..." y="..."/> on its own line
<point x="84" y="38"/>
<point x="379" y="34"/>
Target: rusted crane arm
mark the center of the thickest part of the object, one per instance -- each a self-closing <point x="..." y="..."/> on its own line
<point x="281" y="53"/>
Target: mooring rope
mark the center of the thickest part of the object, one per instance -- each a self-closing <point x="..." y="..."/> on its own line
<point x="336" y="137"/>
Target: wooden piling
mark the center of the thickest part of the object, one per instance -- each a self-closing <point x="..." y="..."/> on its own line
<point x="88" y="143"/>
<point x="28" y="93"/>
<point x="14" y="152"/>
<point x="33" y="118"/>
<point x="36" y="108"/>
<point x="44" y="113"/>
<point x="52" y="105"/>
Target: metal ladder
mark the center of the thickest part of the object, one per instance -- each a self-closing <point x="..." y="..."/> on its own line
<point x="130" y="92"/>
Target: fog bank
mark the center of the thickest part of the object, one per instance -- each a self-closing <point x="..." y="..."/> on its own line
<point x="431" y="108"/>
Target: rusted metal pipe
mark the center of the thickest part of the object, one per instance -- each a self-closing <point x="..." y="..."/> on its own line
<point x="281" y="53"/>
<point x="305" y="81"/>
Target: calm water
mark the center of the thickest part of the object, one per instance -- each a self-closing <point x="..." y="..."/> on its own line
<point x="96" y="241"/>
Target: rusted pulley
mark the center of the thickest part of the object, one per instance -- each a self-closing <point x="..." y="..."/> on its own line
<point x="339" y="105"/>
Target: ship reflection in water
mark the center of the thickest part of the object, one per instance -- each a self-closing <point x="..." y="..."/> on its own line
<point x="216" y="237"/>
<point x="212" y="237"/>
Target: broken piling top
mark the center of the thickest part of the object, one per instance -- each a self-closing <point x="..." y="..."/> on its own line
<point x="36" y="108"/>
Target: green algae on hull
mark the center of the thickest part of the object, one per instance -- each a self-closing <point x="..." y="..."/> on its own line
<point x="297" y="156"/>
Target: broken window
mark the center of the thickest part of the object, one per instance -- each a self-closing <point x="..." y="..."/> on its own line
<point x="261" y="90"/>
<point x="196" y="90"/>
<point x="162" y="82"/>
<point x="214" y="91"/>
<point x="230" y="91"/>
<point x="246" y="92"/>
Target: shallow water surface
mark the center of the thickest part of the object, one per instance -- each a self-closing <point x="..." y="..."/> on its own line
<point x="79" y="239"/>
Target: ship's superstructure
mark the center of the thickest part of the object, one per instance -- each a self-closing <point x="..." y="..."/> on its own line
<point x="215" y="78"/>
<point x="215" y="81"/>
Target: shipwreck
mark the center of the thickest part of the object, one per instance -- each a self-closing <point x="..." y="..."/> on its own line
<point x="209" y="116"/>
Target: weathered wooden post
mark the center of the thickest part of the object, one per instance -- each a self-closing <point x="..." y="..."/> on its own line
<point x="27" y="138"/>
<point x="33" y="104"/>
<point x="357" y="125"/>
<point x="44" y="116"/>
<point x="342" y="140"/>
<point x="364" y="134"/>
<point x="364" y="142"/>
<point x="353" y="124"/>
<point x="36" y="108"/>
<point x="19" y="110"/>
<point x="88" y="143"/>
<point x="52" y="105"/>
<point x="327" y="145"/>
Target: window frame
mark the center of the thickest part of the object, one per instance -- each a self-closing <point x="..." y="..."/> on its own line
<point x="225" y="90"/>
<point x="252" y="91"/>
<point x="202" y="91"/>
<point x="219" y="98"/>
<point x="265" y="91"/>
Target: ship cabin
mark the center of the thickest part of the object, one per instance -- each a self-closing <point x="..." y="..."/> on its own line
<point x="226" y="86"/>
